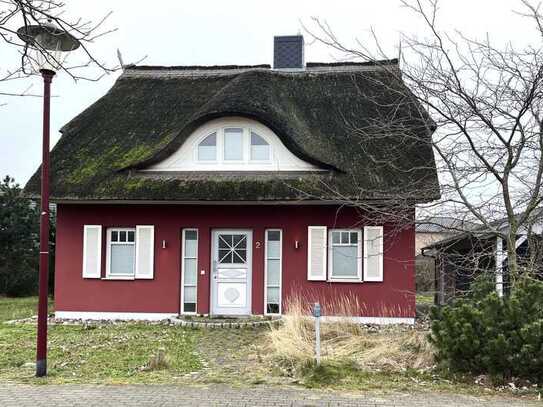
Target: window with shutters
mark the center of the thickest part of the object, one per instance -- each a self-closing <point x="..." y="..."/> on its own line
<point x="189" y="278"/>
<point x="272" y="269"/>
<point x="344" y="255"/>
<point x="121" y="253"/>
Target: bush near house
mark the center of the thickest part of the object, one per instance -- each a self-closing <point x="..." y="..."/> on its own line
<point x="485" y="334"/>
<point x="19" y="241"/>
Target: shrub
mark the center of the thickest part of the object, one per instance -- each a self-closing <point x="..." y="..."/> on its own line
<point x="485" y="334"/>
<point x="19" y="242"/>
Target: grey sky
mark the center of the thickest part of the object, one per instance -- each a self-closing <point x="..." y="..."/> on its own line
<point x="209" y="32"/>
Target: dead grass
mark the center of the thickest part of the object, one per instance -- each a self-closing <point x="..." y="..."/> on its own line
<point x="390" y="349"/>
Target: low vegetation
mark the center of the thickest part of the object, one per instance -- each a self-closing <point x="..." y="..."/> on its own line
<point x="346" y="347"/>
<point x="485" y="334"/>
<point x="354" y="358"/>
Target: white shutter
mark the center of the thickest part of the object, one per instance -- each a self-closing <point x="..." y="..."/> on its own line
<point x="373" y="253"/>
<point x="145" y="245"/>
<point x="316" y="253"/>
<point x="92" y="251"/>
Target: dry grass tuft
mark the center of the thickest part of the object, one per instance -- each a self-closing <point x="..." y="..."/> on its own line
<point x="158" y="361"/>
<point x="384" y="349"/>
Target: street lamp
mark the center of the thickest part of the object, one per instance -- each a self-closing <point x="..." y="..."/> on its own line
<point x="48" y="45"/>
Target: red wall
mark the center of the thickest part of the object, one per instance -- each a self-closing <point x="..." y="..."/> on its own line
<point x="392" y="297"/>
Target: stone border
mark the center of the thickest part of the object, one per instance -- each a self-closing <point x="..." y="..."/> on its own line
<point x="167" y="321"/>
<point x="227" y="325"/>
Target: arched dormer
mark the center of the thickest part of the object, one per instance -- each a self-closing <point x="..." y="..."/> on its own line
<point x="233" y="144"/>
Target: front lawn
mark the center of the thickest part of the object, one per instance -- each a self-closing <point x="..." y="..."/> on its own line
<point x="18" y="308"/>
<point x="124" y="352"/>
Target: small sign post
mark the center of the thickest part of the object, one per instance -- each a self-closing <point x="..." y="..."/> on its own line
<point x="317" y="315"/>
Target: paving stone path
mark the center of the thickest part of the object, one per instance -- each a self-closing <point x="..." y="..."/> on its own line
<point x="217" y="395"/>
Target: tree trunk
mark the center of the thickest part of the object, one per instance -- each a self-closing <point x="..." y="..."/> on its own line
<point x="512" y="260"/>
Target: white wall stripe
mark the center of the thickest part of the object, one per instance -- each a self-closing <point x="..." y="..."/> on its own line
<point x="156" y="316"/>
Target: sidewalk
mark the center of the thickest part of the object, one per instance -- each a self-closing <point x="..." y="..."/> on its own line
<point x="219" y="395"/>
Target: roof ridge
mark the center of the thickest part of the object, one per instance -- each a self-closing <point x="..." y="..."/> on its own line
<point x="192" y="67"/>
<point x="133" y="71"/>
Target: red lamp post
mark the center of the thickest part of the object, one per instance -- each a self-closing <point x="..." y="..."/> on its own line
<point x="50" y="44"/>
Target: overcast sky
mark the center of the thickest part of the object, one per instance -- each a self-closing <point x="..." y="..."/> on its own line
<point x="207" y="32"/>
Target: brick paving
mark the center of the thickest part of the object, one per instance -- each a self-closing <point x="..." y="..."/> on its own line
<point x="218" y="395"/>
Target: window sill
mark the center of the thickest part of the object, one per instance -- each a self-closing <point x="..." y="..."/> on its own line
<point x="344" y="280"/>
<point x="129" y="278"/>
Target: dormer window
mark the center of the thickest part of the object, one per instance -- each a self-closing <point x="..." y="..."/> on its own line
<point x="234" y="145"/>
<point x="207" y="149"/>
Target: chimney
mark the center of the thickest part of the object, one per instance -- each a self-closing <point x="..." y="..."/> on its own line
<point x="288" y="52"/>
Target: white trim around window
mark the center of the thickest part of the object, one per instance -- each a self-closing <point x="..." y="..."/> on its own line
<point x="340" y="242"/>
<point x="189" y="258"/>
<point x="275" y="307"/>
<point x="125" y="237"/>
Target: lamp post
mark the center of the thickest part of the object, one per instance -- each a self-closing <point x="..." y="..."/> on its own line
<point x="49" y="44"/>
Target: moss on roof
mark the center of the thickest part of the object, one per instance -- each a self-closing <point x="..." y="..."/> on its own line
<point x="319" y="114"/>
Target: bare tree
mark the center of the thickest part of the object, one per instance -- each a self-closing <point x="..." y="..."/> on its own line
<point x="486" y="100"/>
<point x="19" y="13"/>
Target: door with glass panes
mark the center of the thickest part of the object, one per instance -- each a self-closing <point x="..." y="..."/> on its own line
<point x="231" y="272"/>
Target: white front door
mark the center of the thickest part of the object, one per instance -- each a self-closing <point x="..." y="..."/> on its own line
<point x="231" y="272"/>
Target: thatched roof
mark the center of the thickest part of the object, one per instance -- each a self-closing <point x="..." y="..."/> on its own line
<point x="327" y="114"/>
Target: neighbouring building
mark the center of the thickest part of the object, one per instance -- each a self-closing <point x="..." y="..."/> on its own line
<point x="222" y="190"/>
<point x="462" y="257"/>
<point x="428" y="231"/>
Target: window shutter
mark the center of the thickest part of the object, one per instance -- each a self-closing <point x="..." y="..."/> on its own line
<point x="145" y="245"/>
<point x="373" y="253"/>
<point x="92" y="251"/>
<point x="316" y="253"/>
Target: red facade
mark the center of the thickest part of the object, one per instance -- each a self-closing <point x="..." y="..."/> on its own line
<point x="393" y="297"/>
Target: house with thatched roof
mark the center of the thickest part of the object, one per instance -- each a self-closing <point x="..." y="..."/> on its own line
<point x="227" y="190"/>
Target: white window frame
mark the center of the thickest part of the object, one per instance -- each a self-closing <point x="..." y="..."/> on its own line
<point x="196" y="148"/>
<point x="250" y="144"/>
<point x="246" y="147"/>
<point x="266" y="271"/>
<point x="243" y="145"/>
<point x="331" y="246"/>
<point x="183" y="258"/>
<point x="110" y="276"/>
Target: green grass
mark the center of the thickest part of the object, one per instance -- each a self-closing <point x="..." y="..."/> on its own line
<point x="18" y="308"/>
<point x="425" y="299"/>
<point x="115" y="353"/>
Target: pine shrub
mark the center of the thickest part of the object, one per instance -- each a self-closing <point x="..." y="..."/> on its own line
<point x="482" y="333"/>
